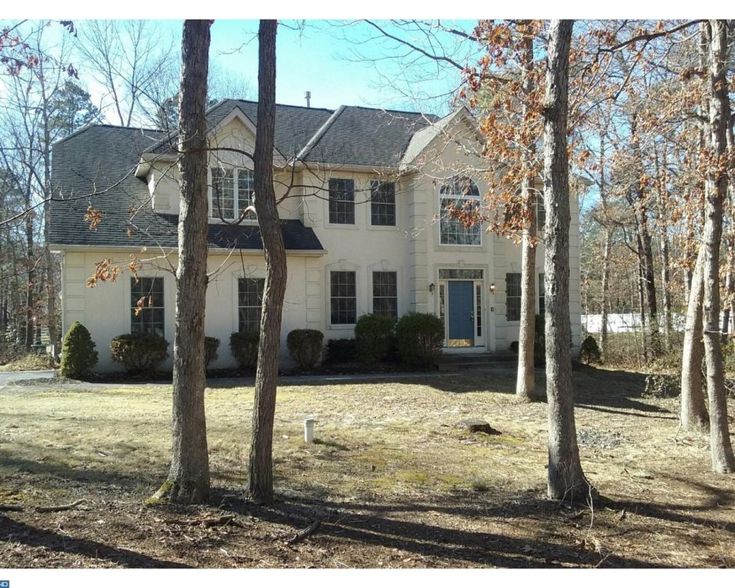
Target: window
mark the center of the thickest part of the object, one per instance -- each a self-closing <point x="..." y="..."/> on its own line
<point x="146" y="306"/>
<point x="540" y="214"/>
<point x="541" y="295"/>
<point x="343" y="298"/>
<point x="383" y="204"/>
<point x="459" y="193"/>
<point x="385" y="294"/>
<point x="513" y="297"/>
<point x="224" y="203"/>
<point x="249" y="302"/>
<point x="341" y="201"/>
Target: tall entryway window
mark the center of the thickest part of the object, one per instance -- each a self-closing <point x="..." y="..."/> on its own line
<point x="460" y="307"/>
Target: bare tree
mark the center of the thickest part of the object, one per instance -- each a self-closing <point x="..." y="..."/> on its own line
<point x="260" y="480"/>
<point x="566" y="481"/>
<point x="723" y="460"/>
<point x="130" y="60"/>
<point x="188" y="479"/>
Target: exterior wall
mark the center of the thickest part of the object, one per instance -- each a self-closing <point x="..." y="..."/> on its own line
<point x="106" y="309"/>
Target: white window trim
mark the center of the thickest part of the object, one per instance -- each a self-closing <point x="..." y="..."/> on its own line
<point x="384" y="267"/>
<point x="456" y="197"/>
<point x="356" y="190"/>
<point x="342" y="266"/>
<point x="213" y="216"/>
<point x="369" y="213"/>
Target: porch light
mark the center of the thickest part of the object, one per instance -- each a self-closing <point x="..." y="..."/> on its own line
<point x="492" y="288"/>
<point x="431" y="288"/>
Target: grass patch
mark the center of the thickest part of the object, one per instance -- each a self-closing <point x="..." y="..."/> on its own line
<point x="392" y="474"/>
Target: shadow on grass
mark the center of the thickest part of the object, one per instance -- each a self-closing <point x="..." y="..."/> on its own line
<point x="372" y="525"/>
<point x="12" y="530"/>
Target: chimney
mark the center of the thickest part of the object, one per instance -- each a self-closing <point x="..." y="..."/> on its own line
<point x="308" y="99"/>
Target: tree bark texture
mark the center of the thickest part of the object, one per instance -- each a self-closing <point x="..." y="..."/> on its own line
<point x="723" y="460"/>
<point x="260" y="479"/>
<point x="526" y="380"/>
<point x="188" y="479"/>
<point x="693" y="410"/>
<point x="566" y="481"/>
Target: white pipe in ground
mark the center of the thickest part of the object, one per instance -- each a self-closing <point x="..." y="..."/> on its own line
<point x="309" y="430"/>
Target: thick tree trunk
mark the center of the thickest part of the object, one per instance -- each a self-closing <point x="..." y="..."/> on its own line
<point x="693" y="410"/>
<point x="188" y="479"/>
<point x="260" y="480"/>
<point x="526" y="381"/>
<point x="723" y="460"/>
<point x="566" y="481"/>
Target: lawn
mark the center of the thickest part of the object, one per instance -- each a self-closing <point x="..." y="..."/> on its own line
<point x="392" y="479"/>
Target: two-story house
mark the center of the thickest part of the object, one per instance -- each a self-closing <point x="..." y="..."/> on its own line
<point x="363" y="197"/>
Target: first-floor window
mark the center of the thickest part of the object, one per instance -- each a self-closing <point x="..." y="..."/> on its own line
<point x="513" y="297"/>
<point x="146" y="306"/>
<point x="385" y="294"/>
<point x="249" y="303"/>
<point x="343" y="298"/>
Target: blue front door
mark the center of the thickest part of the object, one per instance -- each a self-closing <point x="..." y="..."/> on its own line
<point x="461" y="313"/>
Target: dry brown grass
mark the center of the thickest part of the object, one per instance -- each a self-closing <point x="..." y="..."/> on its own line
<point x="393" y="479"/>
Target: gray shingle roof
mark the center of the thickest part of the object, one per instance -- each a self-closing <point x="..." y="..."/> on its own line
<point x="95" y="168"/>
<point x="366" y="136"/>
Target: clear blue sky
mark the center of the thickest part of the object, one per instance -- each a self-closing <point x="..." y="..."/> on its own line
<point x="335" y="61"/>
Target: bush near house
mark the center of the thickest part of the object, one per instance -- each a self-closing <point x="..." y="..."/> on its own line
<point x="420" y="337"/>
<point x="140" y="353"/>
<point x="78" y="355"/>
<point x="211" y="344"/>
<point x="589" y="352"/>
<point x="305" y="347"/>
<point x="244" y="347"/>
<point x="341" y="350"/>
<point x="374" y="337"/>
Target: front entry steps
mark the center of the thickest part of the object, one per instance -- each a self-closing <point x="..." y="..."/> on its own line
<point x="449" y="361"/>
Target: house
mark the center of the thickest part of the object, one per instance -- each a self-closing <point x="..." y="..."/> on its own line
<point x="363" y="199"/>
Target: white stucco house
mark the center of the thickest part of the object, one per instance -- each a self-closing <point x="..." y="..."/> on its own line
<point x="363" y="205"/>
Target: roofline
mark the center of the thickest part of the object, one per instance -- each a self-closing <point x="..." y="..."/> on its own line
<point x="321" y="131"/>
<point x="86" y="127"/>
<point x="61" y="248"/>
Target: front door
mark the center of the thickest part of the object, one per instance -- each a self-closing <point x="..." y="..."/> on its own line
<point x="460" y="315"/>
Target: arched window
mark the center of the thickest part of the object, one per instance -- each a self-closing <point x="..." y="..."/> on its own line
<point x="459" y="192"/>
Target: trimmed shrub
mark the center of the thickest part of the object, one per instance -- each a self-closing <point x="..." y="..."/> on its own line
<point x="244" y="347"/>
<point x="140" y="353"/>
<point x="420" y="337"/>
<point x="341" y="350"/>
<point x="211" y="344"/>
<point x="78" y="355"/>
<point x="589" y="352"/>
<point x="305" y="347"/>
<point x="373" y="337"/>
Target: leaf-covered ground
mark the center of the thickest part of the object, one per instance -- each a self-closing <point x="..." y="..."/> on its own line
<point x="392" y="480"/>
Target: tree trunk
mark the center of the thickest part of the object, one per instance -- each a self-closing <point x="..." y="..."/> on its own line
<point x="188" y="479"/>
<point x="693" y="411"/>
<point x="723" y="460"/>
<point x="663" y="202"/>
<point x="525" y="382"/>
<point x="605" y="254"/>
<point x="566" y="481"/>
<point x="260" y="480"/>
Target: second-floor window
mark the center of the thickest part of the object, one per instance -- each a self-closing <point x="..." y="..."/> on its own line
<point x="341" y="201"/>
<point x="383" y="204"/>
<point x="459" y="193"/>
<point x="233" y="190"/>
